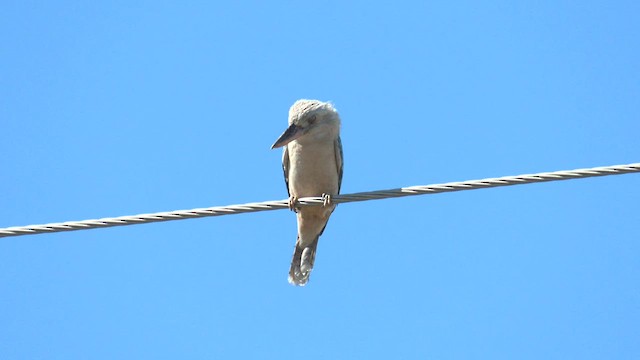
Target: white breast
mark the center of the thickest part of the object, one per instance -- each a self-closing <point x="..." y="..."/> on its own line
<point x="313" y="170"/>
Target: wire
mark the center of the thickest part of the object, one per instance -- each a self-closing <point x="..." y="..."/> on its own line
<point x="315" y="201"/>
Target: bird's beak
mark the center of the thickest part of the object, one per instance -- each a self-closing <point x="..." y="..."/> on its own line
<point x="293" y="132"/>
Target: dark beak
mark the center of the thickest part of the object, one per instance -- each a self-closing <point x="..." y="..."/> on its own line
<point x="292" y="133"/>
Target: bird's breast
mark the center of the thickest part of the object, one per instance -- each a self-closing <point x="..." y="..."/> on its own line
<point x="313" y="169"/>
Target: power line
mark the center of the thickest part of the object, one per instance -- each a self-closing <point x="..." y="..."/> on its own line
<point x="315" y="201"/>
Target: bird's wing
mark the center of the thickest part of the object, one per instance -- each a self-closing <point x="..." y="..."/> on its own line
<point x="338" y="152"/>
<point x="285" y="167"/>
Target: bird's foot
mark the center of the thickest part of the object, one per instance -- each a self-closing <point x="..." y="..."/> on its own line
<point x="326" y="198"/>
<point x="292" y="204"/>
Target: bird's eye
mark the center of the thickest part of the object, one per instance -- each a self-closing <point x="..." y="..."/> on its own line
<point x="312" y="120"/>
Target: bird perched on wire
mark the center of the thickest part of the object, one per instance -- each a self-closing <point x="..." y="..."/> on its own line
<point x="312" y="164"/>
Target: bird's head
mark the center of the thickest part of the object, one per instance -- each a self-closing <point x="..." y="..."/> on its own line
<point x="310" y="118"/>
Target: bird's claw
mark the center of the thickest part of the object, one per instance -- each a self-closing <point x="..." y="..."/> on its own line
<point x="293" y="206"/>
<point x="326" y="198"/>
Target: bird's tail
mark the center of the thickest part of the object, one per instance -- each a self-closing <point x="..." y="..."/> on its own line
<point x="302" y="262"/>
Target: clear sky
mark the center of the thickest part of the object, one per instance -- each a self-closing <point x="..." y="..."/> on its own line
<point x="126" y="107"/>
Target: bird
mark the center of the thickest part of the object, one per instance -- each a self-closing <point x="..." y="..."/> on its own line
<point x="312" y="165"/>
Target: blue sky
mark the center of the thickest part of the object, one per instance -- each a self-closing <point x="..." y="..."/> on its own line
<point x="119" y="108"/>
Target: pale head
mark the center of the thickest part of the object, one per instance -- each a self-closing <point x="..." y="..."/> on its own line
<point x="310" y="119"/>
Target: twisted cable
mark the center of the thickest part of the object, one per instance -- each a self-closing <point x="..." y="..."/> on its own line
<point x="315" y="201"/>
